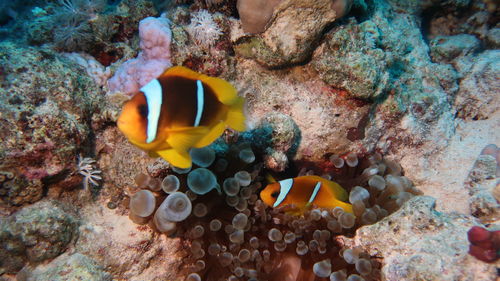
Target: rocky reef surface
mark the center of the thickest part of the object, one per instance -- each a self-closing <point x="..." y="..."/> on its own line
<point x="413" y="81"/>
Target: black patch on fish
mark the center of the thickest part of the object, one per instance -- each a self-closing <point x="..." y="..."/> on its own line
<point x="275" y="194"/>
<point x="143" y="110"/>
<point x="180" y="102"/>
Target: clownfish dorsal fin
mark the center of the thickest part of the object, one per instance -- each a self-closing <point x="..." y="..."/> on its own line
<point x="338" y="191"/>
<point x="183" y="138"/>
<point x="182" y="71"/>
<point x="224" y="91"/>
<point x="214" y="134"/>
<point x="180" y="159"/>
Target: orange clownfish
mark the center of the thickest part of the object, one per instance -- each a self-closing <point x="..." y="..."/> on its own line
<point x="180" y="110"/>
<point x="306" y="191"/>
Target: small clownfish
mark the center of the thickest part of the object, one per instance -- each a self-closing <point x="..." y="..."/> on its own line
<point x="179" y="110"/>
<point x="306" y="191"/>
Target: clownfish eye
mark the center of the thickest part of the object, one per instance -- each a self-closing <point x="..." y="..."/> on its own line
<point x="275" y="194"/>
<point x="143" y="110"/>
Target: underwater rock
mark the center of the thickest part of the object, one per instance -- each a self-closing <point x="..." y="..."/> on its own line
<point x="278" y="138"/>
<point x="417" y="7"/>
<point x="309" y="114"/>
<point x="416" y="107"/>
<point x="34" y="234"/>
<point x="350" y="58"/>
<point x="51" y="100"/>
<point x="118" y="159"/>
<point x="480" y="183"/>
<point x="292" y="33"/>
<point x="255" y="15"/>
<point x="478" y="96"/>
<point x="69" y="267"/>
<point x="493" y="38"/>
<point x="433" y="240"/>
<point x="458" y="17"/>
<point x="447" y="48"/>
<point x="131" y="251"/>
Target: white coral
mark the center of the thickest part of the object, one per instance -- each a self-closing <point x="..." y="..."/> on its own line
<point x="88" y="171"/>
<point x="203" y="29"/>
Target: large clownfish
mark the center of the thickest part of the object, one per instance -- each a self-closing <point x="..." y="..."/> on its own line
<point x="305" y="191"/>
<point x="180" y="110"/>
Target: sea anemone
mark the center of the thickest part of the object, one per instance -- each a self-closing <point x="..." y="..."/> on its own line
<point x="73" y="18"/>
<point x="203" y="30"/>
<point x="232" y="234"/>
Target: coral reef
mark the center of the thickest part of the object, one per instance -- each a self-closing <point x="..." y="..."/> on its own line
<point x="351" y="60"/>
<point x="103" y="29"/>
<point x="46" y="102"/>
<point x="330" y="87"/>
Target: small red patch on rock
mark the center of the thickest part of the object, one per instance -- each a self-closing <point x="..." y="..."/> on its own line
<point x="485" y="244"/>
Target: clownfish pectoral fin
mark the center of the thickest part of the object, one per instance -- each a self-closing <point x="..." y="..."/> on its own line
<point x="179" y="159"/>
<point x="235" y="116"/>
<point x="183" y="139"/>
<point x="214" y="133"/>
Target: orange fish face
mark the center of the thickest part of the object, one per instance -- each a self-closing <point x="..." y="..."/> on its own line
<point x="133" y="120"/>
<point x="270" y="193"/>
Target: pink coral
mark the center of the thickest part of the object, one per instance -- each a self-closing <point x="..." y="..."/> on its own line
<point x="154" y="58"/>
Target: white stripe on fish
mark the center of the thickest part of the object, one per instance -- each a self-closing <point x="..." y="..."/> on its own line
<point x="285" y="187"/>
<point x="315" y="192"/>
<point x="200" y="97"/>
<point x="154" y="96"/>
